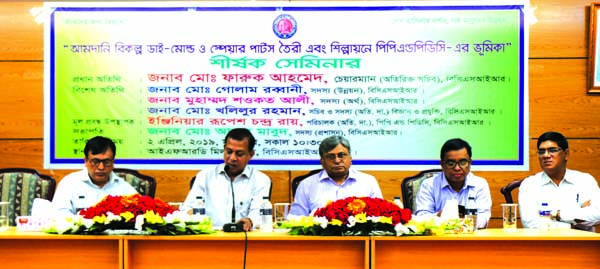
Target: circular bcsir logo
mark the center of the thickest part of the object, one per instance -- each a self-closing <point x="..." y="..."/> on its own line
<point x="285" y="26"/>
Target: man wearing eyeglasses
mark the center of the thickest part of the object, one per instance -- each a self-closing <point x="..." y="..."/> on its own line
<point x="336" y="181"/>
<point x="570" y="194"/>
<point x="85" y="188"/>
<point x="455" y="182"/>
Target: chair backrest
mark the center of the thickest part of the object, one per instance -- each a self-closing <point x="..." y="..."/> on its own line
<point x="296" y="181"/>
<point x="192" y="182"/>
<point x="20" y="186"/>
<point x="507" y="190"/>
<point x="410" y="187"/>
<point x="143" y="184"/>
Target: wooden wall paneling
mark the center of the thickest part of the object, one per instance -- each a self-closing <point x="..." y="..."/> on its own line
<point x="561" y="29"/>
<point x="558" y="99"/>
<point x="281" y="186"/>
<point x="21" y="100"/>
<point x="21" y="36"/>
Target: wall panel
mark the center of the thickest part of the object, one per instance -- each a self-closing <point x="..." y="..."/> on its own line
<point x="561" y="30"/>
<point x="21" y="100"/>
<point x="21" y="36"/>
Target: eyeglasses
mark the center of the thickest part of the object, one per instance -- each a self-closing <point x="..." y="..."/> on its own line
<point x="462" y="163"/>
<point x="106" y="162"/>
<point x="332" y="156"/>
<point x="549" y="150"/>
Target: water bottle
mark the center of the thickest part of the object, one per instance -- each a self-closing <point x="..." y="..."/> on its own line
<point x="266" y="215"/>
<point x="398" y="202"/>
<point x="79" y="204"/>
<point x="199" y="207"/>
<point x="471" y="211"/>
<point x="545" y="217"/>
<point x="471" y="207"/>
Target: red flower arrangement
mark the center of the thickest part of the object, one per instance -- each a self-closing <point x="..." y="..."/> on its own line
<point x="131" y="214"/>
<point x="353" y="216"/>
<point x="372" y="207"/>
<point x="135" y="204"/>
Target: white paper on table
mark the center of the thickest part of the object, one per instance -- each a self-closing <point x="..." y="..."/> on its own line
<point x="42" y="208"/>
<point x="450" y="210"/>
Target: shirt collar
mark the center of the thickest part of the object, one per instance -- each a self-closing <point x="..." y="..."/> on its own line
<point x="113" y="178"/>
<point x="351" y="175"/>
<point x="247" y="173"/>
<point x="566" y="179"/>
<point x="546" y="179"/>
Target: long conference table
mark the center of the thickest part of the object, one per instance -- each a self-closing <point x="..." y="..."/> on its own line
<point x="490" y="248"/>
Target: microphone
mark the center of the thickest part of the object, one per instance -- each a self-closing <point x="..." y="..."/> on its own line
<point x="232" y="195"/>
<point x="232" y="227"/>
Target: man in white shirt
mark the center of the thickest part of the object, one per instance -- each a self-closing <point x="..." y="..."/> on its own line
<point x="570" y="194"/>
<point x="233" y="191"/>
<point x="337" y="180"/>
<point x="455" y="182"/>
<point x="87" y="187"/>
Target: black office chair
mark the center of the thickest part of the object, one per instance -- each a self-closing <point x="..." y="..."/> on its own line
<point x="507" y="190"/>
<point x="143" y="184"/>
<point x="192" y="181"/>
<point x="296" y="181"/>
<point x="410" y="187"/>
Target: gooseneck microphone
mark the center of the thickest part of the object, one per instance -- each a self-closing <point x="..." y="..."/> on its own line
<point x="232" y="195"/>
<point x="232" y="227"/>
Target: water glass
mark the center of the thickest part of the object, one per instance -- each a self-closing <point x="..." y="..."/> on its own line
<point x="281" y="213"/>
<point x="509" y="217"/>
<point x="470" y="223"/>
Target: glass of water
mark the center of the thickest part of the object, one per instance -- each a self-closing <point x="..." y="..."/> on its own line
<point x="281" y="213"/>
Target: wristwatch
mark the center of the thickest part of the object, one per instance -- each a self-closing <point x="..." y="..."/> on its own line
<point x="555" y="215"/>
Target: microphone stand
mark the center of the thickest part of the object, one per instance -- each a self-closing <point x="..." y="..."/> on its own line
<point x="233" y="226"/>
<point x="232" y="196"/>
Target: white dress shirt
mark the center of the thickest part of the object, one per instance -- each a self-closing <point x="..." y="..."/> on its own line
<point x="568" y="197"/>
<point x="78" y="184"/>
<point x="215" y="186"/>
<point x="317" y="190"/>
<point x="434" y="192"/>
